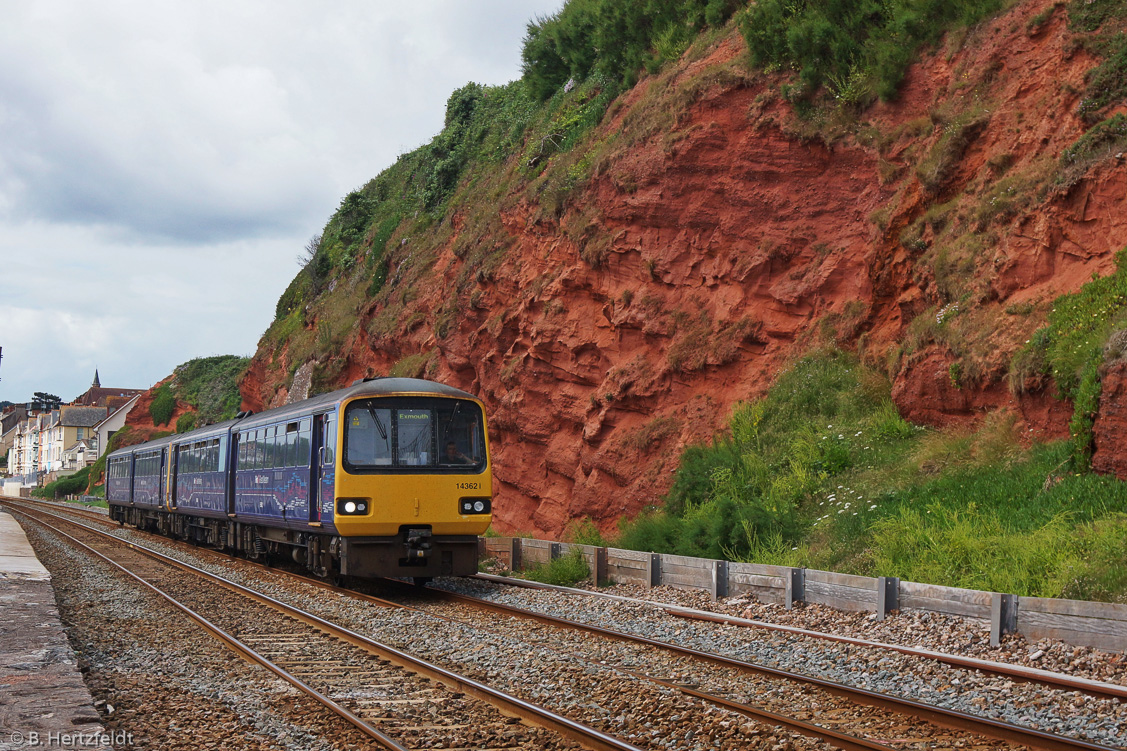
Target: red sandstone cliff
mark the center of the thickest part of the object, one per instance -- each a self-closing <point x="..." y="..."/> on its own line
<point x="710" y="254"/>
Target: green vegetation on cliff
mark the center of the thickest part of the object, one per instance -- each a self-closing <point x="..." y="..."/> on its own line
<point x="824" y="473"/>
<point x="209" y="385"/>
<point x="856" y="49"/>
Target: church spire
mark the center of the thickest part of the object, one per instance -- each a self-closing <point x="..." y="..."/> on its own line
<point x="97" y="384"/>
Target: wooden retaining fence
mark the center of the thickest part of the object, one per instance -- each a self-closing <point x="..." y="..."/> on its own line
<point x="1093" y="624"/>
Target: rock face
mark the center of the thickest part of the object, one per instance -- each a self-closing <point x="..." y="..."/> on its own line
<point x="141" y="422"/>
<point x="1110" y="429"/>
<point x="693" y="268"/>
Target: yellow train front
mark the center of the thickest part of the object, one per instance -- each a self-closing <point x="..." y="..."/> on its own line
<point x="411" y="480"/>
<point x="389" y="477"/>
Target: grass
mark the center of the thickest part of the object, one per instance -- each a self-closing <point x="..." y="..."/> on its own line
<point x="1071" y="349"/>
<point x="1104" y="140"/>
<point x="70" y="485"/>
<point x="565" y="571"/>
<point x="825" y="473"/>
<point x="858" y="51"/>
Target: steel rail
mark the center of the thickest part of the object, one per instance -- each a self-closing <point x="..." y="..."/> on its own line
<point x="937" y="715"/>
<point x="841" y="740"/>
<point x="231" y="642"/>
<point x="507" y="704"/>
<point x="1097" y="689"/>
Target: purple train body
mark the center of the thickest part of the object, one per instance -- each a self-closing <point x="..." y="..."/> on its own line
<point x="268" y="483"/>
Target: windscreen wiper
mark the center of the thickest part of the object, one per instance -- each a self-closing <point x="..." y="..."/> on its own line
<point x="379" y="425"/>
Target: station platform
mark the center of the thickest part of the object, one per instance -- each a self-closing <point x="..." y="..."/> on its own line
<point x="44" y="702"/>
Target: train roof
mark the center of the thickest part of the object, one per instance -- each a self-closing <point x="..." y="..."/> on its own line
<point x="370" y="387"/>
<point x="373" y="387"/>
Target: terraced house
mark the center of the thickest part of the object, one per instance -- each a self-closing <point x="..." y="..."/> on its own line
<point x="50" y="444"/>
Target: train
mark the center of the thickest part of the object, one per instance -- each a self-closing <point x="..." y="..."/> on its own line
<point x="390" y="477"/>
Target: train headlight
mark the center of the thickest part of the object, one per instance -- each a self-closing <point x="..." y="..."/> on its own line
<point x="474" y="505"/>
<point x="353" y="506"/>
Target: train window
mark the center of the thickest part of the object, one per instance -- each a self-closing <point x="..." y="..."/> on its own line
<point x="255" y="460"/>
<point x="291" y="445"/>
<point x="329" y="441"/>
<point x="369" y="436"/>
<point x="302" y="456"/>
<point x="268" y="448"/>
<point x="279" y="447"/>
<point x="385" y="434"/>
<point x="242" y="460"/>
<point x="416" y="437"/>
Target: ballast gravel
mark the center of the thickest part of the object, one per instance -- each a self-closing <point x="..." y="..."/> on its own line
<point x="1101" y="721"/>
<point x="162" y="681"/>
<point x="632" y="709"/>
<point x="1067" y="712"/>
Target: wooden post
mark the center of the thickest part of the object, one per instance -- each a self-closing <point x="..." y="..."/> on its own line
<point x="795" y="587"/>
<point x="719" y="579"/>
<point x="1003" y="617"/>
<point x="888" y="596"/>
<point x="654" y="570"/>
<point x="515" y="562"/>
<point x="600" y="566"/>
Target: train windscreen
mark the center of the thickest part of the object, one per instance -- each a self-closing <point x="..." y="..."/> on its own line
<point x="410" y="434"/>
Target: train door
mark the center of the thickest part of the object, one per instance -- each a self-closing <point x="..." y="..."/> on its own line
<point x="132" y="464"/>
<point x="322" y="467"/>
<point x="233" y="466"/>
<point x="164" y="477"/>
<point x="173" y="468"/>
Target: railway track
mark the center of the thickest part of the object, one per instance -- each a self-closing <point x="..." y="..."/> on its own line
<point x="397" y="700"/>
<point x="768" y="696"/>
<point x="1015" y="672"/>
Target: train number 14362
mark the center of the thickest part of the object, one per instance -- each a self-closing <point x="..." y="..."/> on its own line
<point x="468" y="485"/>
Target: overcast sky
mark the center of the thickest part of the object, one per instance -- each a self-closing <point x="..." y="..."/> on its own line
<point x="162" y="164"/>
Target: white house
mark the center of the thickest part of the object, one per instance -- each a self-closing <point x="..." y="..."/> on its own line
<point x="107" y="427"/>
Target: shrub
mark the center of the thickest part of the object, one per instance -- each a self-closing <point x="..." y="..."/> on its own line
<point x="69" y="485"/>
<point x="186" y="422"/>
<point x="211" y="386"/>
<point x="841" y="41"/>
<point x="565" y="571"/>
<point x="615" y="39"/>
<point x="163" y="405"/>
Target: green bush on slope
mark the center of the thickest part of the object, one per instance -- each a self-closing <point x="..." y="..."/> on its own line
<point x="852" y="47"/>
<point x="823" y="472"/>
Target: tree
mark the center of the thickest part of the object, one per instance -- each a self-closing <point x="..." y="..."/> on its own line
<point x="41" y="400"/>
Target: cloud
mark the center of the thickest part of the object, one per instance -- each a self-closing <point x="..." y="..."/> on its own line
<point x="162" y="164"/>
